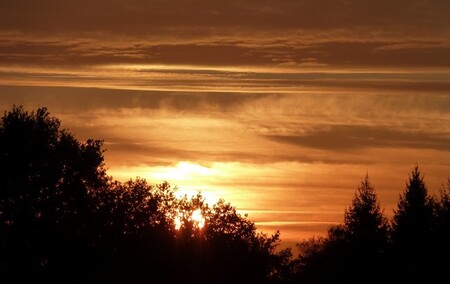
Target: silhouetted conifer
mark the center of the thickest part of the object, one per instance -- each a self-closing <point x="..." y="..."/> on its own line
<point x="352" y="250"/>
<point x="412" y="231"/>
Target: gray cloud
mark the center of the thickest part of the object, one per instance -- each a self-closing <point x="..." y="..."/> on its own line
<point x="346" y="53"/>
<point x="335" y="33"/>
<point x="139" y="16"/>
<point x="352" y="137"/>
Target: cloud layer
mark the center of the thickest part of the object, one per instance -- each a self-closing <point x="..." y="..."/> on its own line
<point x="284" y="104"/>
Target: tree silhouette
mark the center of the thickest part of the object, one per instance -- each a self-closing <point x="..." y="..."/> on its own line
<point x="351" y="250"/>
<point x="441" y="245"/>
<point x="443" y="211"/>
<point x="364" y="221"/>
<point x="62" y="219"/>
<point x="46" y="176"/>
<point x="412" y="230"/>
<point x="139" y="237"/>
<point x="366" y="231"/>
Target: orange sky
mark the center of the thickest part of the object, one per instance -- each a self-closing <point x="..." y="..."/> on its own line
<point x="280" y="107"/>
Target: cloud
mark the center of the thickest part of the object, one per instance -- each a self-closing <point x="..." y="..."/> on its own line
<point x="295" y="34"/>
<point x="139" y="15"/>
<point x="352" y="137"/>
<point x="286" y="53"/>
<point x="289" y="102"/>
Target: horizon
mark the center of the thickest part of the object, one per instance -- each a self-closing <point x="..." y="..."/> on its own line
<point x="279" y="108"/>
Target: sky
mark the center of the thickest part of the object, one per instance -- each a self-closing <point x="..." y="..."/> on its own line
<point x="279" y="107"/>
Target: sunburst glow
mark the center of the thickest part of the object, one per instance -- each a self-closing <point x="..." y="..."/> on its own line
<point x="183" y="171"/>
<point x="177" y="221"/>
<point x="198" y="219"/>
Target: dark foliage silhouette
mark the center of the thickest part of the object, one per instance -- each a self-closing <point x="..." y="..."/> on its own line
<point x="62" y="219"/>
<point x="46" y="176"/>
<point x="441" y="259"/>
<point x="366" y="230"/>
<point x="364" y="249"/>
<point x="412" y="231"/>
<point x="145" y="232"/>
<point x="351" y="250"/>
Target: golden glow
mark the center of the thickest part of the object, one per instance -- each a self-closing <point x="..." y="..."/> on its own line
<point x="183" y="171"/>
<point x="283" y="119"/>
<point x="198" y="219"/>
<point x="190" y="179"/>
<point x="177" y="222"/>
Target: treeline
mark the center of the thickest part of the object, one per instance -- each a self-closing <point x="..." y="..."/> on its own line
<point x="64" y="220"/>
<point x="412" y="248"/>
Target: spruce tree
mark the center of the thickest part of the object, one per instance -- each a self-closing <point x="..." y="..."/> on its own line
<point x="364" y="221"/>
<point x="366" y="230"/>
<point x="413" y="219"/>
<point x="412" y="232"/>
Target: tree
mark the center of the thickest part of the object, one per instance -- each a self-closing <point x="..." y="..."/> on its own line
<point x="321" y="259"/>
<point x="350" y="251"/>
<point x="62" y="219"/>
<point x="364" y="222"/>
<point x="441" y="247"/>
<point x="412" y="230"/>
<point x="145" y="232"/>
<point x="366" y="232"/>
<point x="443" y="211"/>
<point x="46" y="176"/>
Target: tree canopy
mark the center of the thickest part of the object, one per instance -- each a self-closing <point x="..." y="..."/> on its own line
<point x="351" y="250"/>
<point x="62" y="219"/>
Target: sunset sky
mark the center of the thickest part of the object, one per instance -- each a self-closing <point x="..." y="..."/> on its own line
<point x="279" y="107"/>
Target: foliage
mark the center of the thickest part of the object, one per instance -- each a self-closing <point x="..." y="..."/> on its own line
<point x="350" y="250"/>
<point x="62" y="219"/>
<point x="415" y="250"/>
<point x="413" y="231"/>
<point x="413" y="220"/>
<point x="46" y="176"/>
<point x="364" y="221"/>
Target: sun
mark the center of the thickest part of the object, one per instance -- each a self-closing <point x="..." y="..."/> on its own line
<point x="196" y="217"/>
<point x="189" y="178"/>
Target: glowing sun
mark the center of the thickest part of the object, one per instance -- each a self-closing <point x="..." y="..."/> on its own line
<point x="197" y="219"/>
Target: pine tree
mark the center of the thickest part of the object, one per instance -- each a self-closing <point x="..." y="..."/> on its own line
<point x="412" y="234"/>
<point x="364" y="221"/>
<point x="366" y="229"/>
<point x="413" y="219"/>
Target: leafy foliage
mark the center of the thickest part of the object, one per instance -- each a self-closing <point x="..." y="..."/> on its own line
<point x="46" y="176"/>
<point x="62" y="219"/>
